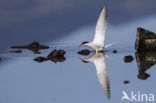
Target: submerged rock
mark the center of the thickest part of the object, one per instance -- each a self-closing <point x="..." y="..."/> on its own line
<point x="145" y="40"/>
<point x="58" y="59"/>
<point x="128" y="59"/>
<point x="16" y="51"/>
<point x="126" y="82"/>
<point x="56" y="53"/>
<point x="143" y="76"/>
<point x="57" y="56"/>
<point x="40" y="59"/>
<point x="115" y="51"/>
<point x="54" y="56"/>
<point x="34" y="46"/>
<point x="84" y="52"/>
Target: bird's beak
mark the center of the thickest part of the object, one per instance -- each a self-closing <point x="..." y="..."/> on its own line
<point x="83" y="60"/>
<point x="81" y="45"/>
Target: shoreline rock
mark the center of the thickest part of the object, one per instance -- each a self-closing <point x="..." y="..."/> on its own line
<point x="145" y="40"/>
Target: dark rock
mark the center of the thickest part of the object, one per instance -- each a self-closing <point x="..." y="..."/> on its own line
<point x="115" y="51"/>
<point x="16" y="51"/>
<point x="40" y="59"/>
<point x="126" y="82"/>
<point x="143" y="76"/>
<point x="35" y="47"/>
<point x="0" y="59"/>
<point x="145" y="60"/>
<point x="145" y="40"/>
<point x="84" y="52"/>
<point x="56" y="53"/>
<point x="57" y="56"/>
<point x="58" y="59"/>
<point x="128" y="59"/>
<point x="54" y="56"/>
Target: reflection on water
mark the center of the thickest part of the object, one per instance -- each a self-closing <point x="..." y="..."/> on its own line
<point x="145" y="60"/>
<point x="34" y="46"/>
<point x="99" y="62"/>
<point x="55" y="56"/>
<point x="25" y="81"/>
<point x="84" y="52"/>
<point x="16" y="51"/>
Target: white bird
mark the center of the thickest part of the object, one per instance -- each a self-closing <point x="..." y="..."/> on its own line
<point x="99" y="62"/>
<point x="98" y="42"/>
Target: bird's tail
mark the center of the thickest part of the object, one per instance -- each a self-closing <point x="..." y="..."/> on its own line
<point x="108" y="45"/>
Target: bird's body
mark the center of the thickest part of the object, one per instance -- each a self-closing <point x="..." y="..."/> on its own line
<point x="98" y="42"/>
<point x="95" y="47"/>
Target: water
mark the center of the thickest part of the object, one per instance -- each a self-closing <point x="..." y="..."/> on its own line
<point x="23" y="80"/>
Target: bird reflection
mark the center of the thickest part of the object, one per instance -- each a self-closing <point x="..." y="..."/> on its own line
<point x="99" y="61"/>
<point x="145" y="60"/>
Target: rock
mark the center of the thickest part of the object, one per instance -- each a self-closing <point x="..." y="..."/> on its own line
<point x="115" y="51"/>
<point x="126" y="82"/>
<point x="40" y="59"/>
<point x="54" y="56"/>
<point x="16" y="51"/>
<point x="58" y="59"/>
<point x="145" y="40"/>
<point x="56" y="53"/>
<point x="0" y="59"/>
<point x="57" y="56"/>
<point x="84" y="52"/>
<point x="143" y="76"/>
<point x="34" y="46"/>
<point x="128" y="59"/>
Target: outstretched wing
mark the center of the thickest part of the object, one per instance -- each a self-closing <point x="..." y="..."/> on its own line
<point x="102" y="74"/>
<point x="101" y="28"/>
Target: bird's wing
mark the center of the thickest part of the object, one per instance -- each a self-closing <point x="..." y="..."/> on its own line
<point x="101" y="28"/>
<point x="102" y="74"/>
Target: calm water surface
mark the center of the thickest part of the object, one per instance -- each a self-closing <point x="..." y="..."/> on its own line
<point x="23" y="80"/>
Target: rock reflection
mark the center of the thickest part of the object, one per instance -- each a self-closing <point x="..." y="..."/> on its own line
<point x="35" y="47"/>
<point x="145" y="60"/>
<point x="55" y="56"/>
<point x="16" y="51"/>
<point x="99" y="61"/>
<point x="84" y="52"/>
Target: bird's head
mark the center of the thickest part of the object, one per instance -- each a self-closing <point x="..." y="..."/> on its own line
<point x="82" y="44"/>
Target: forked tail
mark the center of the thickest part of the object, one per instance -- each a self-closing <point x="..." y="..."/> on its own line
<point x="107" y="46"/>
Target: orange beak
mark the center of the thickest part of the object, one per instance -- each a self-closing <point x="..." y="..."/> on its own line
<point x="81" y="45"/>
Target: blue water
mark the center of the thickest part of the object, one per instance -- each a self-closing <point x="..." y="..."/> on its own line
<point x="22" y="80"/>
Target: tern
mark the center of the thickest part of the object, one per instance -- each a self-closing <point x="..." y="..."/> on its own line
<point x="98" y="59"/>
<point x="98" y="42"/>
